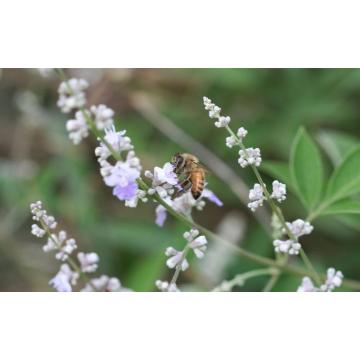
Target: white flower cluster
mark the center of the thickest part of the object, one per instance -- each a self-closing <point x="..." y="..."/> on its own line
<point x="103" y="116"/>
<point x="72" y="95"/>
<point x="68" y="275"/>
<point x="256" y="194"/>
<point x="62" y="244"/>
<point x="279" y="191"/>
<point x="165" y="286"/>
<point x="250" y="156"/>
<point x="256" y="197"/>
<point x="122" y="175"/>
<point x="78" y="128"/>
<point x="88" y="262"/>
<point x="292" y="247"/>
<point x="334" y="279"/>
<point x="177" y="259"/>
<point x="215" y="113"/>
<point x="232" y="140"/>
<point x="300" y="227"/>
<point x="184" y="204"/>
<point x="104" y="283"/>
<point x="196" y="243"/>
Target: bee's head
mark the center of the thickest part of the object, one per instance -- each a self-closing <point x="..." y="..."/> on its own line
<point x="176" y="160"/>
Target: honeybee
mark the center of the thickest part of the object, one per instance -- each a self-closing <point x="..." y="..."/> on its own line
<point x="192" y="172"/>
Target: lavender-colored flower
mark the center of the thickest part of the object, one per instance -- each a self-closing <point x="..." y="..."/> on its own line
<point x="88" y="262"/>
<point x="197" y="243"/>
<point x="208" y="194"/>
<point x="231" y="141"/>
<point x="334" y="280"/>
<point x="279" y="191"/>
<point x="37" y="231"/>
<point x="165" y="286"/>
<point x="78" y="128"/>
<point x="104" y="283"/>
<point x="62" y="244"/>
<point x="300" y="227"/>
<point x="256" y="197"/>
<point x="72" y="95"/>
<point x="176" y="258"/>
<point x="103" y="116"/>
<point x="121" y="175"/>
<point x="290" y="247"/>
<point x="64" y="279"/>
<point x="250" y="156"/>
<point x="161" y="215"/>
<point x="307" y="285"/>
<point x="127" y="192"/>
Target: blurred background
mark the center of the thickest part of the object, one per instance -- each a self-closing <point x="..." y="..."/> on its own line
<point x="162" y="111"/>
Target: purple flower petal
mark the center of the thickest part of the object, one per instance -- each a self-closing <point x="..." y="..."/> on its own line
<point x="127" y="192"/>
<point x="212" y="197"/>
<point x="161" y="215"/>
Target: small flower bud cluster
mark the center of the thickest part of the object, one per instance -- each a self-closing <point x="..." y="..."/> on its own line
<point x="279" y="191"/>
<point x="121" y="176"/>
<point x="103" y="116"/>
<point x="300" y="227"/>
<point x="165" y="286"/>
<point x="334" y="279"/>
<point x="88" y="262"/>
<point x="250" y="156"/>
<point x="70" y="271"/>
<point x="62" y="244"/>
<point x="215" y="113"/>
<point x="256" y="197"/>
<point x="104" y="283"/>
<point x="177" y="259"/>
<point x="196" y="243"/>
<point x="292" y="247"/>
<point x="72" y="95"/>
<point x="232" y="140"/>
<point x="78" y="128"/>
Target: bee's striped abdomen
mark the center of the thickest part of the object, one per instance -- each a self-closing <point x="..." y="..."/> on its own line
<point x="197" y="180"/>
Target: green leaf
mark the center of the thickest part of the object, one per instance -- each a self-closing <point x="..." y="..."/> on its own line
<point x="306" y="169"/>
<point x="336" y="144"/>
<point x="345" y="180"/>
<point x="277" y="169"/>
<point x="346" y="206"/>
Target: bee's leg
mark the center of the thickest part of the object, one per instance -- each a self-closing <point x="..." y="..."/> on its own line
<point x="185" y="186"/>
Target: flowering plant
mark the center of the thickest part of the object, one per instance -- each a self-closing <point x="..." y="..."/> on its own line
<point x="121" y="170"/>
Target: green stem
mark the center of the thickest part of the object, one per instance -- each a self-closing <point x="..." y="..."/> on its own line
<point x="353" y="284"/>
<point x="275" y="208"/>
<point x="178" y="267"/>
<point x="71" y="262"/>
<point x="239" y="280"/>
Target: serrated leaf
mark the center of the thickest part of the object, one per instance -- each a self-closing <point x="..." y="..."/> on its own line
<point x="346" y="206"/>
<point x="306" y="169"/>
<point x="345" y="180"/>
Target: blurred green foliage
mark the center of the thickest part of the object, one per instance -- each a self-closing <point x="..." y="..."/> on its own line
<point x="37" y="161"/>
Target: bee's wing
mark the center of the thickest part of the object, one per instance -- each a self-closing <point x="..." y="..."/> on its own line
<point x="202" y="166"/>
